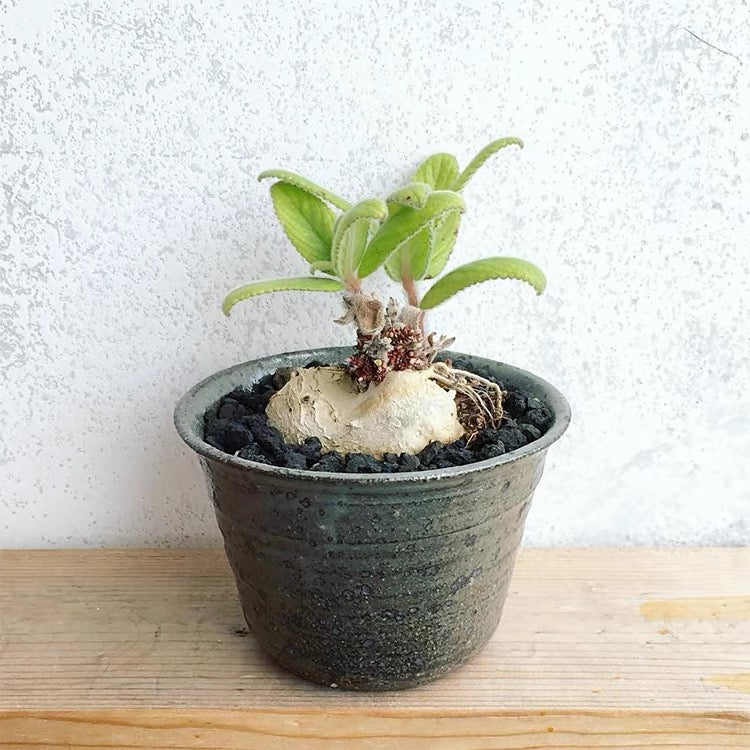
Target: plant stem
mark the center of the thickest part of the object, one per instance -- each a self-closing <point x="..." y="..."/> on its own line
<point x="411" y="290"/>
<point x="407" y="280"/>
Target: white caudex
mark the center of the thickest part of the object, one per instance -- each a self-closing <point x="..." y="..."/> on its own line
<point x="403" y="414"/>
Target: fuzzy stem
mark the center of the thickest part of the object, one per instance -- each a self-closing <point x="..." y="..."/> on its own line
<point x="352" y="283"/>
<point x="407" y="280"/>
<point x="413" y="297"/>
<point x="411" y="290"/>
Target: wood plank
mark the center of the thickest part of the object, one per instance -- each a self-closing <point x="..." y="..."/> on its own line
<point x="337" y="729"/>
<point x="597" y="648"/>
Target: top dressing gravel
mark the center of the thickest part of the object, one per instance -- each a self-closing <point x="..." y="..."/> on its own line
<point x="238" y="425"/>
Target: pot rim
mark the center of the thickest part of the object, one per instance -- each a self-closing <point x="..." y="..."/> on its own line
<point x="186" y="419"/>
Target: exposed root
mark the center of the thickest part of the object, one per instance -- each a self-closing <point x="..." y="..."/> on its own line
<point x="479" y="401"/>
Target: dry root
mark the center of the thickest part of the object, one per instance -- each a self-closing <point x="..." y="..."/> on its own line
<point x="479" y="401"/>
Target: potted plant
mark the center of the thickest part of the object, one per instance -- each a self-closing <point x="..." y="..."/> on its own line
<point x="372" y="500"/>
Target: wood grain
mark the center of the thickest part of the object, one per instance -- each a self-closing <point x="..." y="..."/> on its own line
<point x="344" y="729"/>
<point x="146" y="648"/>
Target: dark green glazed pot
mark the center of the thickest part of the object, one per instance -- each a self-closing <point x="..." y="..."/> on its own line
<point x="370" y="581"/>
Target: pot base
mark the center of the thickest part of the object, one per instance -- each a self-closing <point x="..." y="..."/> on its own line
<point x="374" y="683"/>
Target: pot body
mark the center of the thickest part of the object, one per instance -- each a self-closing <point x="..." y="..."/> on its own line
<point x="370" y="582"/>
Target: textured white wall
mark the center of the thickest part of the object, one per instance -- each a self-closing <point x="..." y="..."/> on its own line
<point x="130" y="137"/>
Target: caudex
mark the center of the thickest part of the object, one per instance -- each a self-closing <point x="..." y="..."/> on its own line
<point x="390" y="395"/>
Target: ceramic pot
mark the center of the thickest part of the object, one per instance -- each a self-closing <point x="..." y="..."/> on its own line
<point x="370" y="581"/>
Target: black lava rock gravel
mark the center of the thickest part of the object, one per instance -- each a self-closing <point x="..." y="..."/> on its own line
<point x="238" y="425"/>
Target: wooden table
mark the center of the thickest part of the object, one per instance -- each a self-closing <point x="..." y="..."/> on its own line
<point x="623" y="648"/>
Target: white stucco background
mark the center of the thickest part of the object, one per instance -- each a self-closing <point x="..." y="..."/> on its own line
<point x="130" y="137"/>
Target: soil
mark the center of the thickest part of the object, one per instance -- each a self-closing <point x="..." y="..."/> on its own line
<point x="237" y="425"/>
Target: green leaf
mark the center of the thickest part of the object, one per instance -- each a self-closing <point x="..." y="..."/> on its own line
<point x="439" y="171"/>
<point x="481" y="158"/>
<point x="324" y="266"/>
<point x="352" y="232"/>
<point x="413" y="195"/>
<point x="351" y="247"/>
<point x="413" y="255"/>
<point x="300" y="283"/>
<point x="307" y="221"/>
<point x="483" y="270"/>
<point x="403" y="224"/>
<point x="444" y="238"/>
<point x="290" y="178"/>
